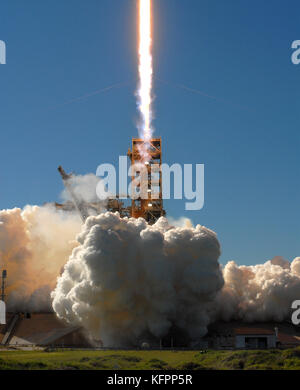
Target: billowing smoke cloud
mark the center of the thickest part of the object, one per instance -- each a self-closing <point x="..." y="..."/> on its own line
<point x="127" y="278"/>
<point x="122" y="279"/>
<point x="262" y="292"/>
<point x="35" y="243"/>
<point x="180" y="222"/>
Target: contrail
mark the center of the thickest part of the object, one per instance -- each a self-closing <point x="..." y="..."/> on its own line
<point x="199" y="92"/>
<point x="98" y="91"/>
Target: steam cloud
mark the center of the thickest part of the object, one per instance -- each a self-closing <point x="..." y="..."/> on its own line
<point x="261" y="292"/>
<point x="34" y="245"/>
<point x="87" y="189"/>
<point x="122" y="279"/>
<point x="127" y="278"/>
<point x="84" y="188"/>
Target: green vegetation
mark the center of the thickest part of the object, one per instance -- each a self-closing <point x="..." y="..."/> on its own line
<point x="161" y="360"/>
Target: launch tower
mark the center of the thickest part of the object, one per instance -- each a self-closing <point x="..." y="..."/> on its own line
<point x="151" y="208"/>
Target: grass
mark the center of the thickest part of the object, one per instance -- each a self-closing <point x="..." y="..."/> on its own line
<point x="149" y="360"/>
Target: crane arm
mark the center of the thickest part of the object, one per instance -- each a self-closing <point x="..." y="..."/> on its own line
<point x="80" y="207"/>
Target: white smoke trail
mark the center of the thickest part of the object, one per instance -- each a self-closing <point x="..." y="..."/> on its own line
<point x="89" y="191"/>
<point x="84" y="188"/>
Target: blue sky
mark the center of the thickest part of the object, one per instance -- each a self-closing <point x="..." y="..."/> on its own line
<point x="248" y="137"/>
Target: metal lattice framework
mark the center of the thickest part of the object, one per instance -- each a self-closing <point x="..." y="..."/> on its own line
<point x="151" y="208"/>
<point x="144" y="154"/>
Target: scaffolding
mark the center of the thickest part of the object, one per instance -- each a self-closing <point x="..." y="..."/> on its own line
<point x="146" y="156"/>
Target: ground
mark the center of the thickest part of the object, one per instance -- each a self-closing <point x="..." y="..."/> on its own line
<point x="101" y="360"/>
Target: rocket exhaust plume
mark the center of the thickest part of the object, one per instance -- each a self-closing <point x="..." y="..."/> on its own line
<point x="123" y="279"/>
<point x="145" y="71"/>
<point x="34" y="245"/>
<point x="128" y="280"/>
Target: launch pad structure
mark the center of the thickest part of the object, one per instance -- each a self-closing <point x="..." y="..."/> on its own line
<point x="45" y="330"/>
<point x="150" y="208"/>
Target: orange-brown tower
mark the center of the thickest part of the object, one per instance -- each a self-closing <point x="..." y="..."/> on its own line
<point x="151" y="208"/>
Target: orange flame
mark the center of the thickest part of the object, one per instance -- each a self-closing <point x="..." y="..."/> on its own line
<point x="145" y="68"/>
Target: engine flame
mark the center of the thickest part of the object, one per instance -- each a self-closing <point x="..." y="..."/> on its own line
<point x="145" y="69"/>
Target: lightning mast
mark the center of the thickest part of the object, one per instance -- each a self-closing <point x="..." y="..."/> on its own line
<point x="4" y="276"/>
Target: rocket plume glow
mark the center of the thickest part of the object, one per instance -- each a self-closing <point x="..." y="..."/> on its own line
<point x="145" y="68"/>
